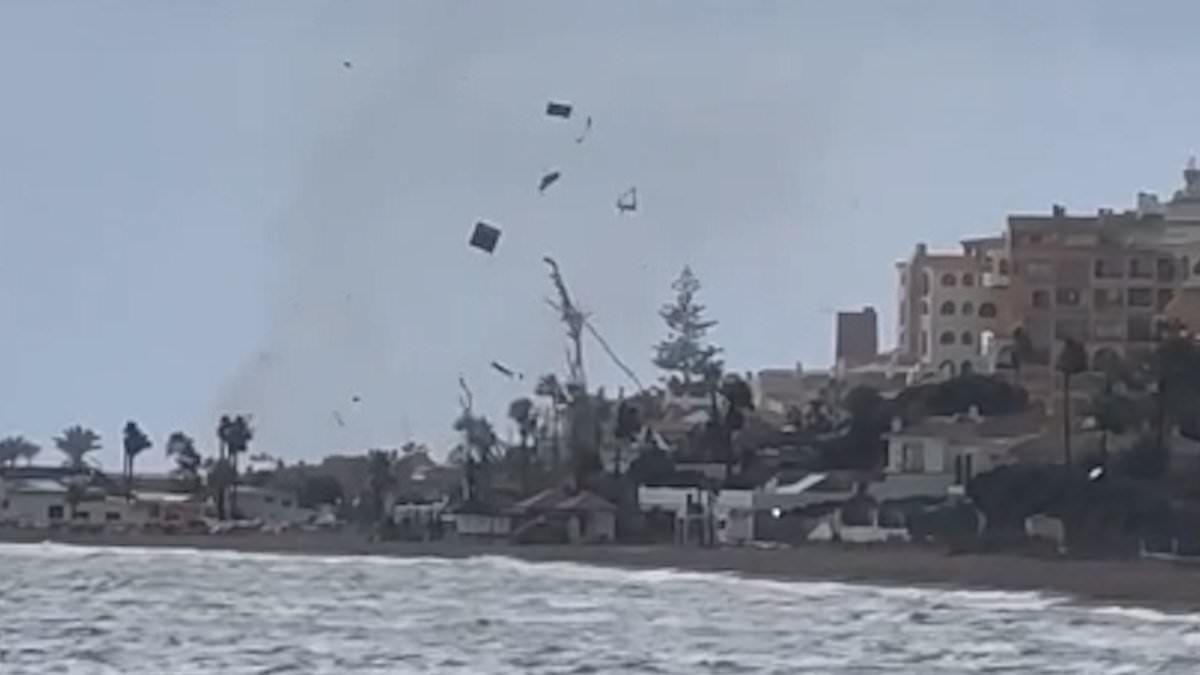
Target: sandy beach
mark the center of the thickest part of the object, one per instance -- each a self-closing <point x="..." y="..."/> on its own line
<point x="1153" y="584"/>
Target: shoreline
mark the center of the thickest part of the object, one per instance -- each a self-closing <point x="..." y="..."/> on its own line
<point x="1149" y="584"/>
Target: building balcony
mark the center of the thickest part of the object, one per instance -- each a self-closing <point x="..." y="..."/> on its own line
<point x="996" y="280"/>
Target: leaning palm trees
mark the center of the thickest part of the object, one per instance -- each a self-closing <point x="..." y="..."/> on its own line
<point x="77" y="443"/>
<point x="135" y="442"/>
<point x="181" y="448"/>
<point x="525" y="417"/>
<point x="17" y="447"/>
<point x="235" y="434"/>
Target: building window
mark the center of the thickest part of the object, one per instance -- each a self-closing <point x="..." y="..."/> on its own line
<point x="1165" y="269"/>
<point x="967" y="368"/>
<point x="1110" y="329"/>
<point x="1035" y="238"/>
<point x="1141" y="297"/>
<point x="924" y="342"/>
<point x="947" y="338"/>
<point x="1163" y="298"/>
<point x="925" y="283"/>
<point x="1139" y="329"/>
<point x="81" y="515"/>
<point x="949" y="279"/>
<point x="112" y="516"/>
<point x="268" y="499"/>
<point x="967" y="339"/>
<point x="54" y="512"/>
<point x="1140" y="269"/>
<point x="1106" y="360"/>
<point x="912" y="458"/>
<point x="968" y="279"/>
<point x="4" y="505"/>
<point x="987" y="310"/>
<point x="1002" y="267"/>
<point x="924" y="307"/>
<point x="1107" y="299"/>
<point x="1196" y="267"/>
<point x="1108" y="268"/>
<point x="1075" y="329"/>
<point x="1039" y="270"/>
<point x="968" y="308"/>
<point x="1067" y="297"/>
<point x="1040" y="299"/>
<point x="989" y="264"/>
<point x="286" y="503"/>
<point x="947" y="308"/>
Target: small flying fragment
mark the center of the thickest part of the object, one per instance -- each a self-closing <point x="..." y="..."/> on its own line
<point x="627" y="202"/>
<point x="556" y="109"/>
<point x="587" y="129"/>
<point x="1096" y="473"/>
<point x="548" y="180"/>
<point x="485" y="237"/>
<point x="506" y="371"/>
<point x="347" y="65"/>
<point x="337" y="417"/>
<point x="355" y="399"/>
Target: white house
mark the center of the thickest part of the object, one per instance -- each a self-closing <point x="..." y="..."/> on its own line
<point x="927" y="458"/>
<point x="270" y="506"/>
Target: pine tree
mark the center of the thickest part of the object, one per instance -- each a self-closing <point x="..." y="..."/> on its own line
<point x="684" y="353"/>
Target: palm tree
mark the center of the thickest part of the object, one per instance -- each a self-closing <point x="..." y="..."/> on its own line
<point x="182" y="449"/>
<point x="1072" y="360"/>
<point x="480" y="444"/>
<point x="135" y="442"/>
<point x="76" y="492"/>
<point x="381" y="478"/>
<point x="221" y="475"/>
<point x="551" y="389"/>
<point x="235" y="434"/>
<point x="76" y="443"/>
<point x="17" y="447"/>
<point x="523" y="414"/>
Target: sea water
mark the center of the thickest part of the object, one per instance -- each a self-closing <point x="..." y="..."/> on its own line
<point x="87" y="610"/>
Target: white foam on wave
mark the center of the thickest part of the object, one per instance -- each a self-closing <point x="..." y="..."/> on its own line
<point x="1145" y="615"/>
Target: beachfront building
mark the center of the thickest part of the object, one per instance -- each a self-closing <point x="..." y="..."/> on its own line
<point x="270" y="505"/>
<point x="927" y="458"/>
<point x="950" y="307"/>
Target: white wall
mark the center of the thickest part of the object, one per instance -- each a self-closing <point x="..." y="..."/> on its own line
<point x="31" y="509"/>
<point x="477" y="525"/>
<point x="270" y="506"/>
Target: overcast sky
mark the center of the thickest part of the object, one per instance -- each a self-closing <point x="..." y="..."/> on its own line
<point x="202" y="210"/>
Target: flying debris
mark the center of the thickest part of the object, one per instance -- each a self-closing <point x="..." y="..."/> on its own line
<point x="347" y="64"/>
<point x="556" y="109"/>
<point x="627" y="202"/>
<point x="548" y="180"/>
<point x="587" y="129"/>
<point x="1096" y="473"/>
<point x="485" y="237"/>
<point x="337" y="417"/>
<point x="356" y="398"/>
<point x="506" y="371"/>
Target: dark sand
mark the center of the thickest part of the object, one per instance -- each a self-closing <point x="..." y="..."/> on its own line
<point x="1166" y="586"/>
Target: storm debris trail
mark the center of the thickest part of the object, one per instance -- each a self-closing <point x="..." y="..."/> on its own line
<point x="587" y="129"/>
